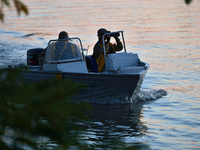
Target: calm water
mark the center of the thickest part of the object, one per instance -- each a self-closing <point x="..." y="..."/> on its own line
<point x="166" y="34"/>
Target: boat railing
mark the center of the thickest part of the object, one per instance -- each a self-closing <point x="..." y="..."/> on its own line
<point x="122" y="35"/>
<point x="104" y="49"/>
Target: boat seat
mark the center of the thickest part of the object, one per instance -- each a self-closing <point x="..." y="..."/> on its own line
<point x="88" y="62"/>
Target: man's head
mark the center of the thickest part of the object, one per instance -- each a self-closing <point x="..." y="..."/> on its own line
<point x="101" y="32"/>
<point x="63" y="35"/>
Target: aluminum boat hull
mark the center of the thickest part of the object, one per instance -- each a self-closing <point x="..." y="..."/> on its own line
<point x="99" y="86"/>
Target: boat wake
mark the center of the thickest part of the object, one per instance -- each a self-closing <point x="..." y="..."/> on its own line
<point x="149" y="95"/>
<point x="139" y="96"/>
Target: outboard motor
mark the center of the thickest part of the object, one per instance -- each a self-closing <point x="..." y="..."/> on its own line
<point x="32" y="56"/>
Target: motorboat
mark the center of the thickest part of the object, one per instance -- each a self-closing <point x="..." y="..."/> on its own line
<point x="122" y="77"/>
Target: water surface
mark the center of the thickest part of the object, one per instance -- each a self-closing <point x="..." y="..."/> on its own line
<point x="166" y="34"/>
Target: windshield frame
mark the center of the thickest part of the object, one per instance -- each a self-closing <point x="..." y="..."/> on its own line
<point x="78" y="44"/>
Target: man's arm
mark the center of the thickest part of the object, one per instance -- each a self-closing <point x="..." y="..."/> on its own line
<point x="118" y="46"/>
<point x="98" y="49"/>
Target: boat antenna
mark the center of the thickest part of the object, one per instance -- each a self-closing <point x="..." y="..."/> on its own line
<point x="87" y="50"/>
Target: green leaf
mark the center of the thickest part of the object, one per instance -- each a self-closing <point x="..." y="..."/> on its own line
<point x="20" y="7"/>
<point x="1" y="15"/>
<point x="188" y="1"/>
<point x="5" y="2"/>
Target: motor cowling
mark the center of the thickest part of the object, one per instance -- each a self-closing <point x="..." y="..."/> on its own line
<point x="32" y="56"/>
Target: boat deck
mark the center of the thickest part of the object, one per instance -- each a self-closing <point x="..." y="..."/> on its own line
<point x="131" y="70"/>
<point x="127" y="70"/>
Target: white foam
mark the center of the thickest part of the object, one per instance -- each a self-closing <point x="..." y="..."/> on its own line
<point x="150" y="95"/>
<point x="139" y="96"/>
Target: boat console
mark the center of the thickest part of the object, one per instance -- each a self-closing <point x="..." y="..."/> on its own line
<point x="124" y="59"/>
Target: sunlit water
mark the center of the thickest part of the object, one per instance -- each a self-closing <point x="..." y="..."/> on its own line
<point x="166" y="34"/>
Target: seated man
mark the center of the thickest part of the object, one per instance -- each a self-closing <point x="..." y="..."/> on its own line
<point x="97" y="59"/>
<point x="66" y="50"/>
<point x="60" y="50"/>
<point x="41" y="57"/>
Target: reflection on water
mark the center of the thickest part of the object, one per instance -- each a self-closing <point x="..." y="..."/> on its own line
<point x="111" y="122"/>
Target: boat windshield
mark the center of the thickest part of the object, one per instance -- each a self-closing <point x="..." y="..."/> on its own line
<point x="60" y="50"/>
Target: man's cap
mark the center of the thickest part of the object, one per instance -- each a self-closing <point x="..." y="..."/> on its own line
<point x="63" y="35"/>
<point x="101" y="31"/>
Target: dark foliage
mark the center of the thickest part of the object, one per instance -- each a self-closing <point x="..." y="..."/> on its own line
<point x="188" y="1"/>
<point x="38" y="114"/>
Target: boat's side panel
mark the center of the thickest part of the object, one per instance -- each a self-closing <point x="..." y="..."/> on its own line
<point x="141" y="79"/>
<point x="35" y="76"/>
<point x="98" y="85"/>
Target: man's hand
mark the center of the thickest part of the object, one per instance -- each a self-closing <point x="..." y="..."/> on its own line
<point x="116" y="35"/>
